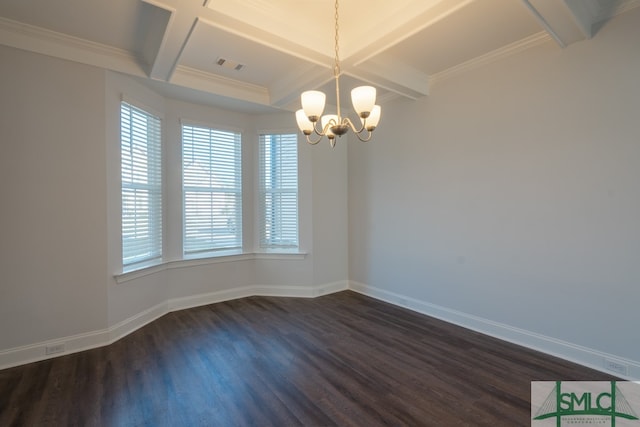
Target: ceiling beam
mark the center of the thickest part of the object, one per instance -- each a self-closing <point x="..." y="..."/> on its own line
<point x="177" y="29"/>
<point x="423" y="15"/>
<point x="387" y="72"/>
<point x="224" y="86"/>
<point x="561" y="21"/>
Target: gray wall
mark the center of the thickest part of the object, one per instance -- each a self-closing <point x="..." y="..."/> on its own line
<point x="53" y="253"/>
<point x="60" y="216"/>
<point x="512" y="193"/>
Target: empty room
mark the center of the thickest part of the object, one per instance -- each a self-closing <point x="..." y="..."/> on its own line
<point x="319" y="213"/>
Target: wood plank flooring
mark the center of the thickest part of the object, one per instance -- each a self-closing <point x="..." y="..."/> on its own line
<point x="342" y="359"/>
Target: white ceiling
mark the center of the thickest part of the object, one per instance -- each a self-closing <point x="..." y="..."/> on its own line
<point x="402" y="47"/>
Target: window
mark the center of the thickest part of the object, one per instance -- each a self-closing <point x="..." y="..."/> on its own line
<point x="212" y="190"/>
<point x="278" y="191"/>
<point x="141" y="169"/>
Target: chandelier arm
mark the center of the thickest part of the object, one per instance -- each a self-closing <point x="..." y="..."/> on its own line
<point x="331" y="123"/>
<point x="311" y="142"/>
<point x="369" y="134"/>
<point x="322" y="132"/>
<point x="337" y="125"/>
<point x="348" y="121"/>
<point x="358" y="132"/>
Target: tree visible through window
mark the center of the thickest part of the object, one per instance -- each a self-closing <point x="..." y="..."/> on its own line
<point x="278" y="191"/>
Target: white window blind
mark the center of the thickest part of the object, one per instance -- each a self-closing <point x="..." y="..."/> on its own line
<point x="278" y="191"/>
<point x="141" y="168"/>
<point x="212" y="189"/>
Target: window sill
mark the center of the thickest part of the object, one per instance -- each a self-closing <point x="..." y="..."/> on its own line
<point x="193" y="262"/>
<point x="281" y="255"/>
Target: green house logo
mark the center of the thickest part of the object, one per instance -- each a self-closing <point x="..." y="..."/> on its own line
<point x="586" y="403"/>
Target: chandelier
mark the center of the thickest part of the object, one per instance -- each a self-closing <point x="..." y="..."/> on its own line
<point x="332" y="125"/>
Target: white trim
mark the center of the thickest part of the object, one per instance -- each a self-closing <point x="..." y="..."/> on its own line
<point x="80" y="342"/>
<point x="208" y="125"/>
<point x="52" y="43"/>
<point x="585" y="356"/>
<point x="153" y="72"/>
<point x="493" y="56"/>
<point x="127" y="276"/>
<point x="283" y="256"/>
<point x="544" y="23"/>
<point x="86" y="341"/>
<point x="278" y="131"/>
<point x="224" y="86"/>
<point x="131" y="100"/>
<point x="133" y="323"/>
<point x="183" y="303"/>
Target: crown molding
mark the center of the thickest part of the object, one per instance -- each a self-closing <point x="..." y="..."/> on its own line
<point x="52" y="43"/>
<point x="224" y="86"/>
<point x="493" y="56"/>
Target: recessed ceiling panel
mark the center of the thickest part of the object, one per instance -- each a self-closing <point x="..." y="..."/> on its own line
<point x="471" y="31"/>
<point x="310" y="23"/>
<point x="210" y="48"/>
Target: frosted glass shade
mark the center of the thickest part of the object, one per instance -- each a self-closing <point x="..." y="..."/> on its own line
<point x="373" y="119"/>
<point x="363" y="99"/>
<point x="304" y="123"/>
<point x="313" y="103"/>
<point x="326" y="119"/>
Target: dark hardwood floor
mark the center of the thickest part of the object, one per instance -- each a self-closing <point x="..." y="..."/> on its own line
<point x="342" y="359"/>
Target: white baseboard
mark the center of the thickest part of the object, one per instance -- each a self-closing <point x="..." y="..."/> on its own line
<point x="582" y="355"/>
<point x="86" y="341"/>
<point x="594" y="359"/>
<point x="133" y="323"/>
<point x="183" y="303"/>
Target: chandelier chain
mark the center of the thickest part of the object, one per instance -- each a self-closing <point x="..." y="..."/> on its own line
<point x="336" y="68"/>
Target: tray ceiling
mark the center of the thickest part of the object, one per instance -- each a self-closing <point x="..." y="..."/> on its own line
<point x="286" y="46"/>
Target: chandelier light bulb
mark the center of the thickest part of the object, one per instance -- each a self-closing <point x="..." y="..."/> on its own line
<point x="373" y="119"/>
<point x="363" y="99"/>
<point x="305" y="125"/>
<point x="313" y="101"/>
<point x="313" y="104"/>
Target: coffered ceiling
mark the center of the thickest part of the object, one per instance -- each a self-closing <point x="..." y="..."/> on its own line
<point x="259" y="55"/>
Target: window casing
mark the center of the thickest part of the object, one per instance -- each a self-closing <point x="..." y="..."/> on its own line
<point x="278" y="192"/>
<point x="141" y="187"/>
<point x="212" y="190"/>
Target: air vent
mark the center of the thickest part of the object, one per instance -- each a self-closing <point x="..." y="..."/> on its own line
<point x="230" y="64"/>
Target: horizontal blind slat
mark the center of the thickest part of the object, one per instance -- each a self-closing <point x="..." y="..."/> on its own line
<point x="141" y="174"/>
<point x="212" y="189"/>
<point x="278" y="190"/>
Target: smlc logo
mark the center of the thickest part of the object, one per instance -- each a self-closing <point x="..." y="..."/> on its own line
<point x="578" y="403"/>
